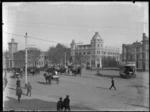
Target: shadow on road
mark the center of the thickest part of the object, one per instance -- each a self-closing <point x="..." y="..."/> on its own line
<point x="29" y="104"/>
<point x="106" y="75"/>
<point x="44" y="83"/>
<point x="34" y="104"/>
<point x="102" y="88"/>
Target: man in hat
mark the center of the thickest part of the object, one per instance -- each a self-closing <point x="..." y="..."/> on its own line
<point x="18" y="82"/>
<point x="19" y="92"/>
<point x="67" y="103"/>
<point x="29" y="89"/>
<point x="60" y="104"/>
<point x="112" y="84"/>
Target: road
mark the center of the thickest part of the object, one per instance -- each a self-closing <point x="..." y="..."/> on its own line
<point x="87" y="92"/>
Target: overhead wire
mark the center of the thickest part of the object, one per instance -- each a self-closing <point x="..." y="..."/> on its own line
<point x="33" y="37"/>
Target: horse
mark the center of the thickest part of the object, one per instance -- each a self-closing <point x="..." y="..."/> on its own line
<point x="76" y="71"/>
<point x="51" y="77"/>
<point x="48" y="78"/>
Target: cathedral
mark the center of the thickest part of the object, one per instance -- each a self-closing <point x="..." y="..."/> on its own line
<point x="92" y="54"/>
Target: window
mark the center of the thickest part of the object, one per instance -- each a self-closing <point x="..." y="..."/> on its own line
<point x="88" y="52"/>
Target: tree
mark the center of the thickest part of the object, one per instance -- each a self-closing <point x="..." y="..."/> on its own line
<point x="57" y="54"/>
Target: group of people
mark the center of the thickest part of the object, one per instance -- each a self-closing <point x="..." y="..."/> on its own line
<point x="63" y="104"/>
<point x="19" y="91"/>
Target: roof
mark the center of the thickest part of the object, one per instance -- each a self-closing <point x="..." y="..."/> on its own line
<point x="12" y="41"/>
<point x="73" y="42"/>
<point x="96" y="36"/>
<point x="86" y="45"/>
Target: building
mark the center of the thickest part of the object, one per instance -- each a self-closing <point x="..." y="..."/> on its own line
<point x="32" y="57"/>
<point x="35" y="57"/>
<point x="42" y="60"/>
<point x="92" y="54"/>
<point x="19" y="59"/>
<point x="13" y="47"/>
<point x="137" y="52"/>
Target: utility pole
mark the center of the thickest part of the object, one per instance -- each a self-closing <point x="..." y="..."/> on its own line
<point x="65" y="58"/>
<point x="26" y="61"/>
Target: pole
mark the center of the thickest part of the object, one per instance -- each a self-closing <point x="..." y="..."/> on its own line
<point x="26" y="60"/>
<point x="65" y="58"/>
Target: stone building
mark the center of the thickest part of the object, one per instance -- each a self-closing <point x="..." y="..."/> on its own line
<point x="91" y="54"/>
<point x="137" y="52"/>
<point x="42" y="60"/>
<point x="32" y="57"/>
<point x="19" y="59"/>
<point x="12" y="48"/>
<point x="36" y="58"/>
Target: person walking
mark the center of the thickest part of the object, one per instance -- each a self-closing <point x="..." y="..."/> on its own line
<point x="60" y="104"/>
<point x="6" y="81"/>
<point x="29" y="87"/>
<point x="112" y="84"/>
<point x="18" y="82"/>
<point x="67" y="103"/>
<point x="19" y="93"/>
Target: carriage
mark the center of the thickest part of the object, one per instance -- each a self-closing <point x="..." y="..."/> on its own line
<point x="76" y="70"/>
<point x="17" y="73"/>
<point x="51" y="75"/>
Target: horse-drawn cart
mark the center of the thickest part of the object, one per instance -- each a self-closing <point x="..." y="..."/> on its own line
<point x="50" y="76"/>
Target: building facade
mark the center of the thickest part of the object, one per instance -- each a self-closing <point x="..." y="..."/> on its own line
<point x="19" y="59"/>
<point x="12" y="48"/>
<point x="137" y="52"/>
<point x="35" y="57"/>
<point x="42" y="60"/>
<point x="92" y="54"/>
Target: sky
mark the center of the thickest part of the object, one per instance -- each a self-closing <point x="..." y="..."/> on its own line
<point x="60" y="22"/>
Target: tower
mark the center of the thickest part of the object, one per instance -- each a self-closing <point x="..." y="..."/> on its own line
<point x="13" y="47"/>
<point x="96" y="50"/>
<point x="72" y="46"/>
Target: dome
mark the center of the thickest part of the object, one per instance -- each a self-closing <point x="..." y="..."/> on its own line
<point x="96" y="36"/>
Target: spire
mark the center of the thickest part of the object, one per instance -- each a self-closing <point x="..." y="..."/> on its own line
<point x="12" y="40"/>
<point x="73" y="42"/>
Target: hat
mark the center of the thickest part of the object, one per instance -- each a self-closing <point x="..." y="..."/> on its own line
<point x="67" y="95"/>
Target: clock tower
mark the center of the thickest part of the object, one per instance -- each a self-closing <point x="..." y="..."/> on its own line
<point x="13" y="47"/>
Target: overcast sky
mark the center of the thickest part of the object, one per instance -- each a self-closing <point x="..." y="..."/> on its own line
<point x="117" y="23"/>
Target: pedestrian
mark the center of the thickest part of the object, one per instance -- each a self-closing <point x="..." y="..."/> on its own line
<point x="6" y="81"/>
<point x="29" y="87"/>
<point x="60" y="104"/>
<point x="68" y="70"/>
<point x="18" y="82"/>
<point x="80" y="70"/>
<point x="19" y="93"/>
<point x="112" y="84"/>
<point x="67" y="103"/>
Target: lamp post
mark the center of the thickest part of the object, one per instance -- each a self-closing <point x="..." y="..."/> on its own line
<point x="26" y="61"/>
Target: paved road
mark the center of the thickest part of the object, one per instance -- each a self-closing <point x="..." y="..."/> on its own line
<point x="87" y="92"/>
